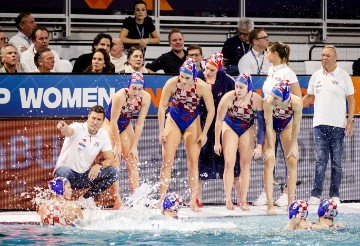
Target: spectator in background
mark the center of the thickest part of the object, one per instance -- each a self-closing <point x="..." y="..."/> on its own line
<point x="195" y="51"/>
<point x="135" y="60"/>
<point x="102" y="40"/>
<point x="255" y="61"/>
<point x="171" y="61"/>
<point x="25" y="23"/>
<point x="9" y="59"/>
<point x="3" y="39"/>
<point x="40" y="39"/>
<point x="235" y="47"/>
<point x="137" y="30"/>
<point x="44" y="61"/>
<point x="331" y="87"/>
<point x="117" y="57"/>
<point x="100" y="63"/>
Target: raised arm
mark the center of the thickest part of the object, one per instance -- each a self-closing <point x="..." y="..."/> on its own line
<point x="66" y="130"/>
<point x="223" y="107"/>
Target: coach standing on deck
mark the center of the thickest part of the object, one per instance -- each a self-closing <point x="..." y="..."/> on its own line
<point x="332" y="87"/>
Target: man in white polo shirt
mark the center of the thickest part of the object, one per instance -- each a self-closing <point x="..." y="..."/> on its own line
<point x="83" y="142"/>
<point x="332" y="87"/>
<point x="255" y="60"/>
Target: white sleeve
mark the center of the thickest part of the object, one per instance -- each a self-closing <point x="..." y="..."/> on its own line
<point x="107" y="142"/>
<point x="244" y="65"/>
<point x="349" y="86"/>
<point x="25" y="63"/>
<point x="310" y="89"/>
<point x="291" y="76"/>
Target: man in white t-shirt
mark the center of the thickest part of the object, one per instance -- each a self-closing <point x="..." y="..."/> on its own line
<point x="255" y="61"/>
<point x="83" y="142"/>
<point x="332" y="87"/>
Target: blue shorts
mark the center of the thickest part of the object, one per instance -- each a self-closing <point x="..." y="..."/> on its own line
<point x="280" y="124"/>
<point x="183" y="119"/>
<point x="239" y="126"/>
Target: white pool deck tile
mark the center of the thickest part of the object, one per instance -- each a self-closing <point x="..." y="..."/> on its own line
<point x="26" y="217"/>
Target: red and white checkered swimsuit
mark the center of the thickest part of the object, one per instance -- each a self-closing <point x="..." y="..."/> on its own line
<point x="282" y="117"/>
<point x="53" y="215"/>
<point x="184" y="107"/>
<point x="243" y="113"/>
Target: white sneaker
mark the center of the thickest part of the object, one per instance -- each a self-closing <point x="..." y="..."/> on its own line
<point x="282" y="201"/>
<point x="314" y="201"/>
<point x="261" y="200"/>
<point x="336" y="199"/>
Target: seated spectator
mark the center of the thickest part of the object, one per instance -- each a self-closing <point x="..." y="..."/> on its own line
<point x="3" y="39"/>
<point x="135" y="61"/>
<point x="44" y="61"/>
<point x="101" y="41"/>
<point x="117" y="57"/>
<point x="100" y="63"/>
<point x="25" y="23"/>
<point x="195" y="51"/>
<point x="137" y="30"/>
<point x="9" y="59"/>
<point x="171" y="61"/>
<point x="40" y="39"/>
<point x="255" y="61"/>
<point x="235" y="47"/>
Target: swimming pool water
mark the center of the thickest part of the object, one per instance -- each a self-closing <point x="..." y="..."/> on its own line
<point x="251" y="230"/>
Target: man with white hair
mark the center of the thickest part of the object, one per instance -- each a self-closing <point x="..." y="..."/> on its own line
<point x="9" y="59"/>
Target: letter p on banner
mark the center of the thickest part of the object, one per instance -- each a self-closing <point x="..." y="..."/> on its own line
<point x="4" y="96"/>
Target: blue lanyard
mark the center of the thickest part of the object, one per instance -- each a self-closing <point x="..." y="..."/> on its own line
<point x="262" y="62"/>
<point x="141" y="34"/>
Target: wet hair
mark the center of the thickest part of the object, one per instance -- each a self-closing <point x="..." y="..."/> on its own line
<point x="194" y="47"/>
<point x="33" y="33"/>
<point x="246" y="23"/>
<point x="97" y="109"/>
<point x="174" y="31"/>
<point x="38" y="55"/>
<point x="139" y="2"/>
<point x="98" y="38"/>
<point x="109" y="67"/>
<point x="254" y="34"/>
<point x="282" y="49"/>
<point x="132" y="49"/>
<point x="20" y="18"/>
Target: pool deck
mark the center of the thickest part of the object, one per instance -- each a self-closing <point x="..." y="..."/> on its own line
<point x="31" y="217"/>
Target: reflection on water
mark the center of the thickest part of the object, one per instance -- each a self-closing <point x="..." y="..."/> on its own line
<point x="134" y="227"/>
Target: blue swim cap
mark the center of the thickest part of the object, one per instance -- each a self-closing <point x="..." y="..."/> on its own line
<point x="172" y="202"/>
<point x="298" y="207"/>
<point x="282" y="89"/>
<point x="246" y="80"/>
<point x="136" y="78"/>
<point x="189" y="67"/>
<point x="57" y="185"/>
<point x="328" y="209"/>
